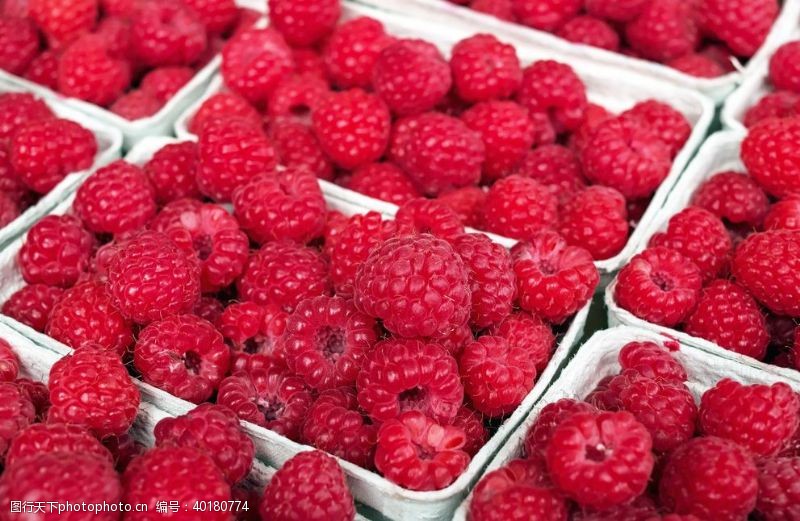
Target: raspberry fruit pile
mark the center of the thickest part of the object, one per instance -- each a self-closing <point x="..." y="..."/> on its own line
<point x="784" y="79"/>
<point x="700" y="38"/>
<point x="727" y="268"/>
<point x="640" y="447"/>
<point x="128" y="56"/>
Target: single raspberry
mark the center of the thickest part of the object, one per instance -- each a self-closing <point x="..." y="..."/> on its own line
<point x="766" y="264"/>
<point x="63" y="21"/>
<point x="172" y="171"/>
<point x="9" y="363"/>
<point x="115" y="32"/>
<point x="351" y="51"/>
<point x="298" y="147"/>
<point x="589" y="30"/>
<point x="596" y="219"/>
<point x="728" y="316"/>
<point x="56" y="251"/>
<point x="555" y="166"/>
<point x="783" y="69"/>
<point x="546" y="15"/>
<point x="50" y="438"/>
<point x="19" y="44"/>
<point x="467" y="202"/>
<point x="668" y="123"/>
<point x="92" y="388"/>
<point x="530" y="333"/>
<point x="742" y="25"/>
<point x="136" y="104"/>
<point x="164" y="82"/>
<point x="218" y="16"/>
<point x="506" y="132"/>
<point x="18" y="109"/>
<point x="711" y="478"/>
<point x="471" y="422"/>
<point x="641" y="509"/>
<point x="651" y="361"/>
<point x="698" y="65"/>
<point x="734" y="197"/>
<point x="783" y="215"/>
<point x="519" y="207"/>
<point x="593" y="117"/>
<point x="411" y="76"/>
<point x="252" y="331"/>
<point x="484" y="69"/>
<point x="224" y="105"/>
<point x="769" y="155"/>
<point x="304" y="23"/>
<point x="254" y="61"/>
<point x="550" y="417"/>
<point x="9" y="210"/>
<point x="659" y="285"/>
<point x="166" y="34"/>
<point x="554" y="280"/>
<point x="296" y="96"/>
<point x="428" y="216"/>
<point x="778" y="104"/>
<point x="664" y="30"/>
<point x="16" y="413"/>
<point x="615" y="10"/>
<point x="383" y="181"/>
<point x="39" y="395"/>
<point x="554" y="89"/>
<point x="455" y="341"/>
<point x="600" y="459"/>
<point x="45" y="151"/>
<point x="418" y="453"/>
<point x="10" y="183"/>
<point x="778" y="497"/>
<point x="87" y="71"/>
<point x="417" y="285"/>
<point x="269" y="398"/>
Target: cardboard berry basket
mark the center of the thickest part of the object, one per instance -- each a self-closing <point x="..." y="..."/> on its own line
<point x="445" y="13"/>
<point x="109" y="145"/>
<point x="368" y="488"/>
<point x="719" y="153"/>
<point x="597" y="359"/>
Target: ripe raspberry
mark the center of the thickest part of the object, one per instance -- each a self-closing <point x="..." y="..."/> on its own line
<point x="778" y="104"/>
<point x="298" y="147"/>
<point x="252" y="331"/>
<point x="553" y="89"/>
<point x="471" y="422"/>
<point x="778" y="497"/>
<point x="284" y="274"/>
<point x="546" y="15"/>
<point x="641" y="509"/>
<point x="166" y="34"/>
<point x="9" y="364"/>
<point x="664" y="30"/>
<point x="600" y="459"/>
<point x="134" y="105"/>
<point x="770" y="157"/>
<point x="455" y="341"/>
<point x="711" y="478"/>
<point x="484" y="69"/>
<point x="63" y="21"/>
<point x="669" y="124"/>
<point x="254" y="61"/>
<point x="87" y="71"/>
<point x="224" y="105"/>
<point x="115" y="32"/>
<point x="742" y="25"/>
<point x="269" y="398"/>
<point x="19" y="109"/>
<point x="597" y="220"/>
<point x="783" y="67"/>
<point x="296" y="96"/>
<point x="383" y="181"/>
<point x="428" y="216"/>
<point x="417" y="285"/>
<point x="411" y="76"/>
<point x="555" y="166"/>
<point x="550" y="417"/>
<point x="766" y="264"/>
<point x="39" y="395"/>
<point x="588" y="30"/>
<point x="352" y="50"/>
<point x="651" y="361"/>
<point x="218" y="16"/>
<point x="519" y="207"/>
<point x="304" y="23"/>
<point x="467" y="203"/>
<point x="593" y="117"/>
<point x="10" y="184"/>
<point x="418" y="453"/>
<point x="554" y="280"/>
<point x="506" y="132"/>
<point x="734" y="197"/>
<point x="56" y="251"/>
<point x="16" y="413"/>
<point x="615" y="10"/>
<point x="310" y="486"/>
<point x="19" y="45"/>
<point x="45" y="151"/>
<point x="783" y="215"/>
<point x="92" y="388"/>
<point x="9" y="210"/>
<point x="163" y="83"/>
<point x="172" y="171"/>
<point x="50" y="438"/>
<point x="659" y="285"/>
<point x="698" y="65"/>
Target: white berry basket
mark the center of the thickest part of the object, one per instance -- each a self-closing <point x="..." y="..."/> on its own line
<point x="368" y="488"/>
<point x="720" y="153"/>
<point x="597" y="359"/>
<point x="755" y="86"/>
<point x="443" y="13"/>
<point x="109" y="145"/>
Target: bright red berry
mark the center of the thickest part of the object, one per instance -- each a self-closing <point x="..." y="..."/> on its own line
<point x="778" y="497"/>
<point x="555" y="166"/>
<point x="596" y="219"/>
<point x="383" y="181"/>
<point x="651" y="361"/>
<point x="56" y="251"/>
<point x="698" y="65"/>
<point x="51" y="438"/>
<point x="172" y="172"/>
<point x="254" y="61"/>
<point x="253" y="331"/>
<point x="352" y="50"/>
<point x="63" y="21"/>
<point x="733" y="197"/>
<point x="467" y="202"/>
<point x="224" y="105"/>
<point x="664" y="30"/>
<point x="588" y="30"/>
<point x="17" y="411"/>
<point x="546" y="15"/>
<point x="136" y="104"/>
<point x="18" y="109"/>
<point x="164" y="82"/>
<point x="19" y="44"/>
<point x="306" y="22"/>
<point x="217" y="15"/>
<point x="9" y="364"/>
<point x="742" y="25"/>
<point x="296" y="96"/>
<point x="428" y="216"/>
<point x="550" y="417"/>
<point x="615" y="10"/>
<point x="769" y="154"/>
<point x="87" y="71"/>
<point x="519" y="207"/>
<point x="554" y="90"/>
<point x="669" y="124"/>
<point x="298" y="147"/>
<point x="783" y="67"/>
<point x="165" y="34"/>
<point x="484" y="69"/>
<point x="783" y="215"/>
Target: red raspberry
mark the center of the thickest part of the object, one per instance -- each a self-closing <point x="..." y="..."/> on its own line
<point x="298" y="147"/>
<point x="163" y="83"/>
<point x="529" y="332"/>
<point x="9" y="210"/>
<point x="471" y="422"/>
<point x="770" y="157"/>
<point x="383" y="181"/>
<point x="659" y="285"/>
<point x="166" y="34"/>
<point x="779" y="104"/>
<point x="352" y="50"/>
<point x="172" y="171"/>
<point x="418" y="453"/>
<point x="600" y="459"/>
<point x="231" y="153"/>
<point x="218" y="16"/>
<point x="506" y="132"/>
<point x="269" y="398"/>
<point x="484" y="69"/>
<point x="19" y="45"/>
<point x="778" y="497"/>
<point x="39" y="395"/>
<point x="728" y="316"/>
<point x="783" y="215"/>
<point x="296" y="96"/>
<point x="254" y="61"/>
<point x="546" y="15"/>
<point x="430" y="381"/>
<point x="411" y="76"/>
<point x="711" y="478"/>
<point x="115" y="32"/>
<point x="641" y="509"/>
<point x="734" y="197"/>
<point x="134" y="105"/>
<point x="550" y="417"/>
<point x="669" y="124"/>
<point x="51" y="438"/>
<point x="491" y="278"/>
<point x="253" y="332"/>
<point x="63" y="21"/>
<point x="767" y="265"/>
<point x="467" y="202"/>
<point x="180" y="474"/>
<point x="553" y="89"/>
<point x="92" y="388"/>
<point x="742" y="25"/>
<point x="783" y="67"/>
<point x="555" y="166"/>
<point x="45" y="151"/>
<point x="588" y="30"/>
<point x="428" y="216"/>
<point x="519" y="207"/>
<point x="417" y="285"/>
<point x="664" y="30"/>
<point x="16" y="413"/>
<point x="10" y="184"/>
<point x="626" y="155"/>
<point x="309" y="486"/>
<point x="554" y="280"/>
<point x="596" y="219"/>
<point x="593" y="117"/>
<point x="304" y="23"/>
<point x="224" y="105"/>
<point x="9" y="364"/>
<point x="335" y="425"/>
<point x="56" y="251"/>
<point x="19" y="109"/>
<point x="651" y="361"/>
<point x="698" y="65"/>
<point x="284" y="274"/>
<point x="87" y="71"/>
<point x="501" y="9"/>
<point x="615" y="10"/>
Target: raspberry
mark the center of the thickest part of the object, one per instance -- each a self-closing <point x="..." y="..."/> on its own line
<point x="181" y="474"/>
<point x="45" y="151"/>
<point x="9" y="210"/>
<point x="9" y="364"/>
<point x="56" y="251"/>
<point x="546" y="15"/>
<point x="766" y="264"/>
<point x="284" y="274"/>
<point x="783" y="215"/>
<point x="352" y="50"/>
<point x="519" y="207"/>
<point x="253" y="332"/>
<point x="87" y="71"/>
<point x="471" y="422"/>
<point x="698" y="65"/>
<point x="92" y="388"/>
<point x="163" y="83"/>
<point x="588" y="30"/>
<point x="10" y="184"/>
<point x="659" y="285"/>
<point x="310" y="486"/>
<point x="411" y="76"/>
<point x="418" y="453"/>
<point x="491" y="278"/>
<point x="19" y="42"/>
<point x="506" y="132"/>
<point x="63" y="21"/>
<point x="19" y="109"/>
<point x="711" y="478"/>
<point x="641" y="509"/>
<point x="664" y="30"/>
<point x="668" y="124"/>
<point x="734" y="197"/>
<point x="269" y="398"/>
<point x="428" y="216"/>
<point x="778" y="497"/>
<point x="134" y="105"/>
<point x="39" y="395"/>
<point x="651" y="361"/>
<point x="304" y="23"/>
<point x="550" y="417"/>
<point x="298" y="147"/>
<point x="383" y="181"/>
<point x="16" y="413"/>
<point x="485" y="69"/>
<point x="783" y="69"/>
<point x="466" y="202"/>
<point x="115" y="32"/>
<point x="501" y="9"/>
<point x="224" y="105"/>
<point x="52" y="438"/>
<point x="626" y="155"/>
<point x="615" y="10"/>
<point x="770" y="157"/>
<point x="217" y="15"/>
<point x="742" y="25"/>
<point x="600" y="459"/>
<point x="296" y="96"/>
<point x="254" y="61"/>
<point x="167" y="34"/>
<point x="553" y="89"/>
<point x="593" y="117"/>
<point x="555" y="166"/>
<point x="554" y="280"/>
<point x="417" y="285"/>
<point x="172" y="171"/>
<point x="779" y="104"/>
<point x="596" y="219"/>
